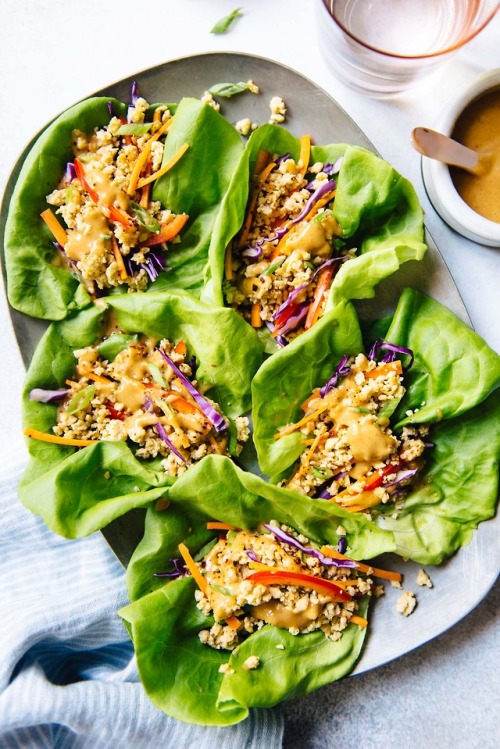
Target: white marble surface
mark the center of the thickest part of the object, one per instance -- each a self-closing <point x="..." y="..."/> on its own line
<point x="55" y="52"/>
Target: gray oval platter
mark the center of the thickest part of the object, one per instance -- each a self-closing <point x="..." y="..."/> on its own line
<point x="461" y="582"/>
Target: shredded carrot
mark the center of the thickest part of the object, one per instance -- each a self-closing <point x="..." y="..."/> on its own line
<point x="184" y="406"/>
<point x="143" y="157"/>
<point x="69" y="441"/>
<point x="381" y="369"/>
<point x="164" y="169"/>
<point x="71" y="383"/>
<point x="169" y="231"/>
<point x="261" y="161"/>
<point x="376" y="572"/>
<point x="314" y="310"/>
<point x="119" y="259"/>
<point x="305" y="153"/>
<point x="193" y="568"/>
<point x="355" y="619"/>
<point x="255" y="318"/>
<point x="322" y="202"/>
<point x="157" y="114"/>
<point x="228" y="262"/>
<point x="253" y="202"/>
<point x="307" y="458"/>
<point x="98" y="378"/>
<point x="216" y="525"/>
<point x="308" y="417"/>
<point x="180" y="347"/>
<point x="55" y="227"/>
<point x="233" y="622"/>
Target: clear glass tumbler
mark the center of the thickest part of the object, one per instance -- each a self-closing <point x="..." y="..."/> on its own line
<point x="383" y="47"/>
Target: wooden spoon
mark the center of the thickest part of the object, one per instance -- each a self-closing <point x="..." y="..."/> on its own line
<point x="442" y="148"/>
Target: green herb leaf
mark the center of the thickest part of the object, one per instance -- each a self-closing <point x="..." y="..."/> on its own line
<point x="81" y="399"/>
<point x="224" y="24"/>
<point x="144" y="219"/>
<point x="132" y="128"/>
<point x="228" y="89"/>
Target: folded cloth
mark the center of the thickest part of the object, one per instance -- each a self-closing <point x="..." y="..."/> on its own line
<point x="68" y="677"/>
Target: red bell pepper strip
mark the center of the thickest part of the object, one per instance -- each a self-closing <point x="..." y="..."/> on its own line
<point x="283" y="577"/>
<point x="114" y="213"/>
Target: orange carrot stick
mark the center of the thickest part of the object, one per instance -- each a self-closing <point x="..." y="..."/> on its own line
<point x="355" y="619"/>
<point x="193" y="568"/>
<point x="180" y="348"/>
<point x="67" y="441"/>
<point x="376" y="572"/>
<point x="143" y="157"/>
<point x="216" y="525"/>
<point x="119" y="259"/>
<point x="169" y="231"/>
<point x="386" y="368"/>
<point x="55" y="227"/>
<point x="255" y="318"/>
<point x="164" y="169"/>
<point x="305" y="153"/>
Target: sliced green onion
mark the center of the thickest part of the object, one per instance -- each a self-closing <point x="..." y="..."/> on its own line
<point x="220" y="589"/>
<point x="274" y="266"/>
<point x="132" y="128"/>
<point x="81" y="399"/>
<point x="157" y="375"/>
<point x="386" y="411"/>
<point x="321" y="473"/>
<point x="145" y="219"/>
<point x="205" y="550"/>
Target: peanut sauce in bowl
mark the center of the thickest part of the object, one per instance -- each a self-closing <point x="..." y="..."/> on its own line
<point x="478" y="127"/>
<point x="470" y="204"/>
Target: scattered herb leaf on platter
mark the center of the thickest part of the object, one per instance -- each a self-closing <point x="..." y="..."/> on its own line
<point x="228" y="89"/>
<point x="224" y="24"/>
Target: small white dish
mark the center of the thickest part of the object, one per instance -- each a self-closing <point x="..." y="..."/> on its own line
<point x="437" y="180"/>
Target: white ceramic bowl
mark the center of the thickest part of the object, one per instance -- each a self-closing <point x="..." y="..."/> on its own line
<point x="438" y="183"/>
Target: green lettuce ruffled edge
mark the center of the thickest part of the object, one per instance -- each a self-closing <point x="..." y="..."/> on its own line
<point x="451" y="385"/>
<point x="374" y="205"/>
<point x="36" y="283"/>
<point x="180" y="675"/>
<point x="78" y="491"/>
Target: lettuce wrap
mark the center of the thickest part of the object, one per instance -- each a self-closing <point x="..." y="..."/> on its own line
<point x="77" y="491"/>
<point x="451" y="386"/>
<point x="180" y="674"/>
<point x="377" y="210"/>
<point x="38" y="282"/>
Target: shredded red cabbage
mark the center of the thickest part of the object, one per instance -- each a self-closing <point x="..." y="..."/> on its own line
<point x="178" y="571"/>
<point x="342" y="370"/>
<point x="391" y="351"/>
<point x="133" y="100"/>
<point x="295" y="319"/>
<point x="291" y="541"/>
<point x="161" y="431"/>
<point x="70" y="173"/>
<point x="252" y="555"/>
<point x="41" y="395"/>
<point x="281" y="340"/>
<point x="218" y="422"/>
<point x="322" y="190"/>
<point x="401" y="476"/>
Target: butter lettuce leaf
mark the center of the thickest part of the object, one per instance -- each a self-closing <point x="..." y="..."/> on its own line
<point x="37" y="284"/>
<point x="181" y="676"/>
<point x="376" y="207"/>
<point x="77" y="491"/>
<point x="452" y="386"/>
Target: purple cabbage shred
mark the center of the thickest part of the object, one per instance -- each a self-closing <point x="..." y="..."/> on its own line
<point x="291" y="541"/>
<point x="342" y="370"/>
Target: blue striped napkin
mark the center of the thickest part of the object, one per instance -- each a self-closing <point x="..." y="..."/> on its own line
<point x="68" y="677"/>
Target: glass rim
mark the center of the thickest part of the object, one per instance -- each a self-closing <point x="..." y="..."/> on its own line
<point x="330" y="4"/>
